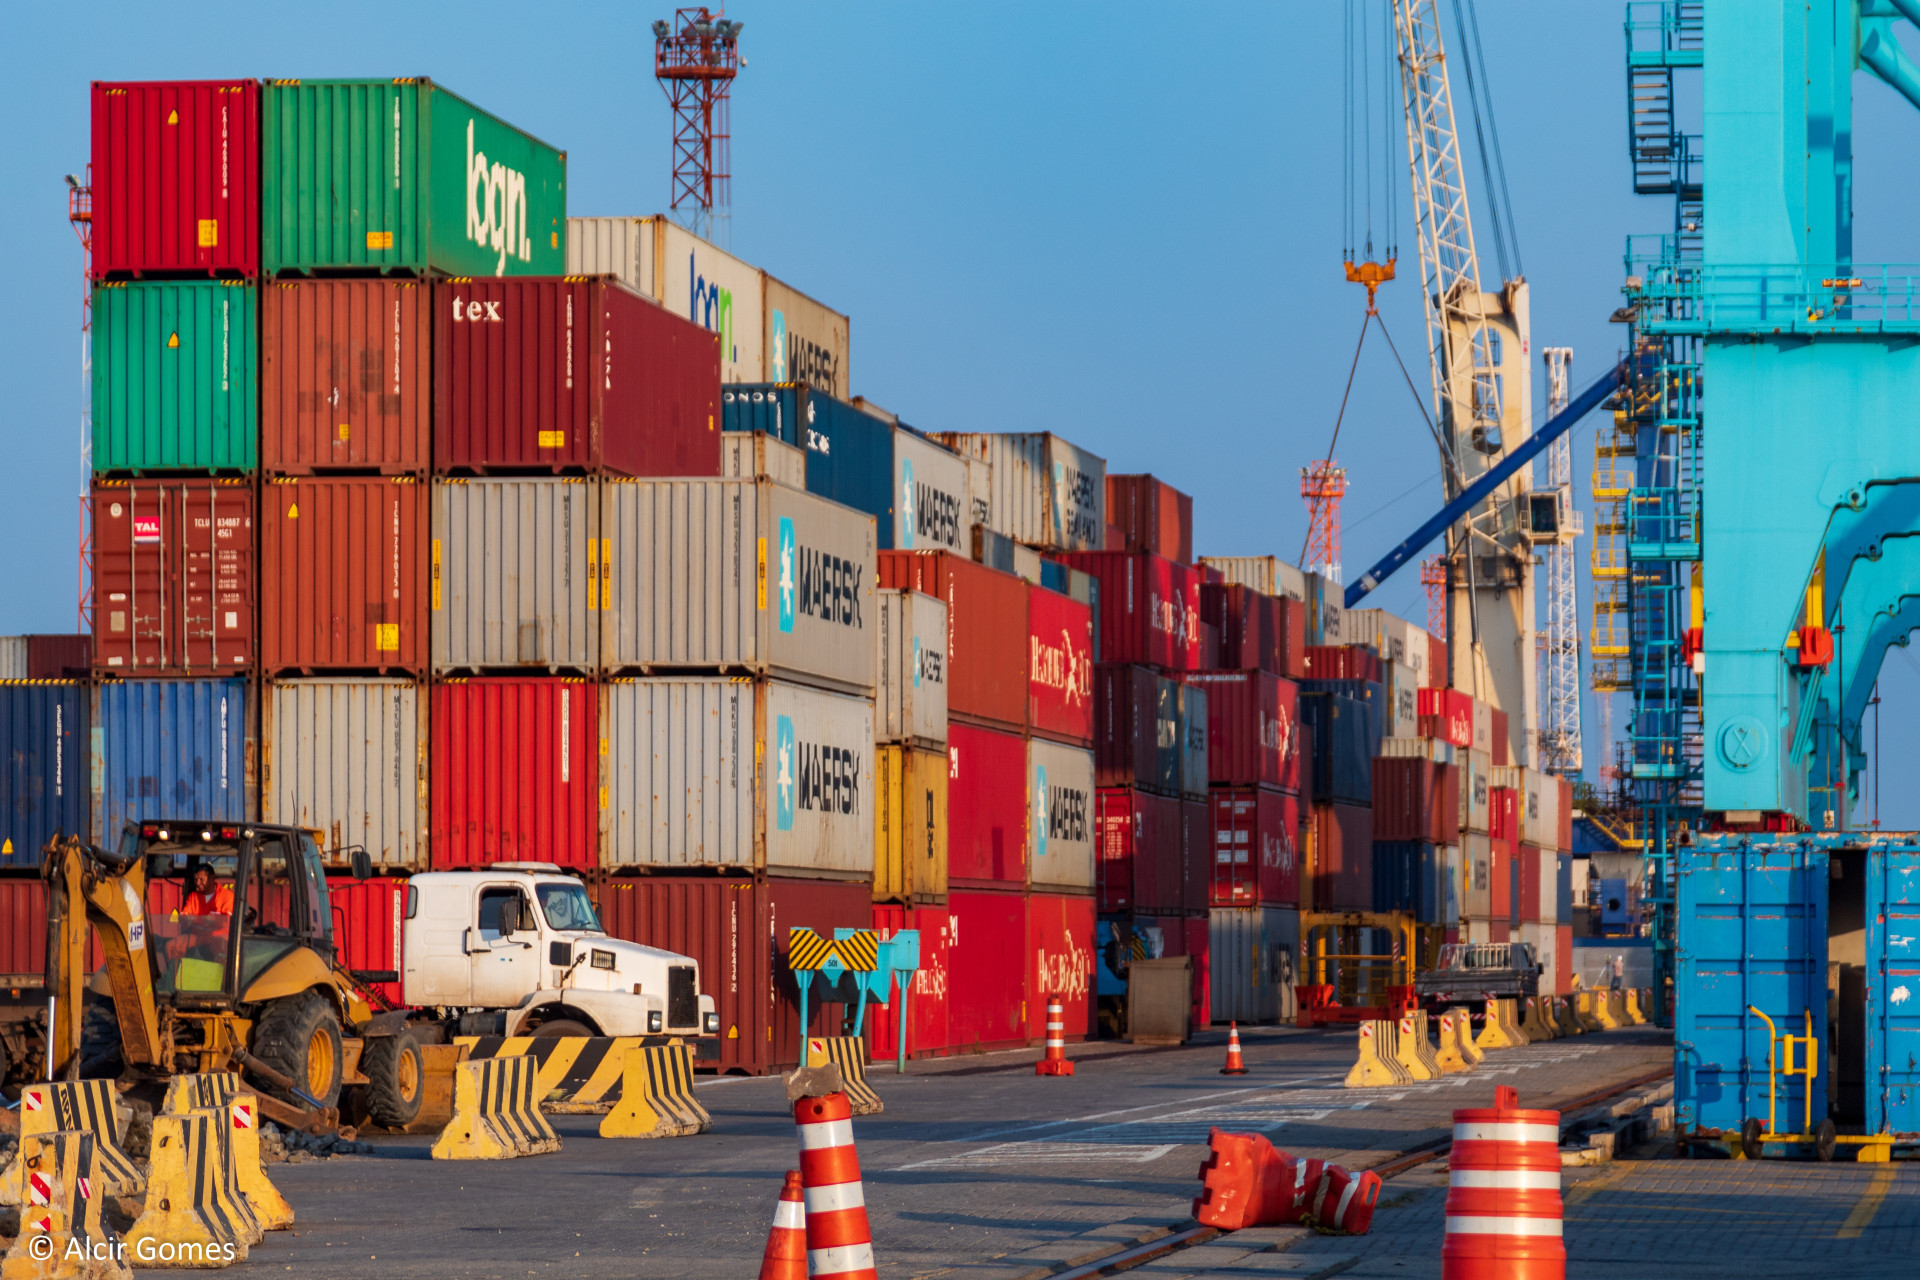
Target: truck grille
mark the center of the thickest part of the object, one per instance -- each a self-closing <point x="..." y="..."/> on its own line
<point x="683" y="998"/>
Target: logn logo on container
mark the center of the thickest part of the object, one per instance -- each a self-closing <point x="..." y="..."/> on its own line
<point x="783" y="763"/>
<point x="907" y="518"/>
<point x="711" y="307"/>
<point x="496" y="207"/>
<point x="789" y="552"/>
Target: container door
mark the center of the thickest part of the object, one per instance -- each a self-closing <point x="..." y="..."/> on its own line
<point x="1893" y="989"/>
<point x="1752" y="932"/>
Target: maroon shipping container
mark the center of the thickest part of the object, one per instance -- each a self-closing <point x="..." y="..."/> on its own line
<point x="173" y="577"/>
<point x="368" y="925"/>
<point x="1527" y="908"/>
<point x="1139" y="850"/>
<point x="1343" y="662"/>
<point x="738" y="929"/>
<point x="1501" y="757"/>
<point x="514" y="772"/>
<point x="1253" y="729"/>
<point x="1151" y="515"/>
<point x="1437" y="673"/>
<point x="1059" y="947"/>
<point x="1565" y="841"/>
<point x="987" y="633"/>
<point x="1149" y="608"/>
<point x="927" y="1035"/>
<point x="176" y="178"/>
<point x="1503" y="881"/>
<point x="986" y="807"/>
<point x="1136" y="729"/>
<point x="62" y="657"/>
<point x="1196" y="854"/>
<point x="575" y="373"/>
<point x="23" y="930"/>
<point x="1503" y="819"/>
<point x="1060" y="668"/>
<point x="1256" y="838"/>
<point x="1342" y="857"/>
<point x="987" y="948"/>
<point x="1416" y="799"/>
<point x="348" y="556"/>
<point x="346" y="376"/>
<point x="1267" y="633"/>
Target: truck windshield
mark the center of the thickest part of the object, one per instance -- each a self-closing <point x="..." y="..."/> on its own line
<point x="567" y="907"/>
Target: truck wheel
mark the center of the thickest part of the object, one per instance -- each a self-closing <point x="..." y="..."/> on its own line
<point x="396" y="1079"/>
<point x="300" y="1038"/>
<point x="562" y="1027"/>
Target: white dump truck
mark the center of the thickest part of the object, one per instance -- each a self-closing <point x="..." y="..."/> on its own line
<point x="516" y="949"/>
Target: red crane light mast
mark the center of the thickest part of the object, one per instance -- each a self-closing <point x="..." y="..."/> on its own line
<point x="695" y="61"/>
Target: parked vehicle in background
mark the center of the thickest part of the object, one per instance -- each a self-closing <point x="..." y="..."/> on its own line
<point x="1472" y="973"/>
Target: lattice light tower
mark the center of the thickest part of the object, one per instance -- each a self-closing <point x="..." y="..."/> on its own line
<point x="1433" y="576"/>
<point x="1323" y="484"/>
<point x="80" y="214"/>
<point x="1560" y="642"/>
<point x="695" y="61"/>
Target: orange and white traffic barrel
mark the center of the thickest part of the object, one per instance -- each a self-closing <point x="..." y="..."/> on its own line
<point x="1056" y="1062"/>
<point x="1503" y="1198"/>
<point x="839" y="1241"/>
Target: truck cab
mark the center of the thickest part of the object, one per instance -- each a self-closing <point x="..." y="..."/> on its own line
<point x="522" y="941"/>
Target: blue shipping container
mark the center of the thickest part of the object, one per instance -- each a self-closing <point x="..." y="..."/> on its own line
<point x="43" y="766"/>
<point x="172" y="749"/>
<point x="1396" y="874"/>
<point x="774" y="408"/>
<point x="1370" y="692"/>
<point x="1891" y="1070"/>
<point x="1344" y="731"/>
<point x="1563" y="891"/>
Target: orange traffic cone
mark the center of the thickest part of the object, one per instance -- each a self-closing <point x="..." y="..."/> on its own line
<point x="1055" y="1063"/>
<point x="786" y="1256"/>
<point x="1236" y="1065"/>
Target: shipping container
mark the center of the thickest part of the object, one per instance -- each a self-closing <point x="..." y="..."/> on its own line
<point x="929" y="510"/>
<point x="402" y="176"/>
<point x="1543" y="938"/>
<point x="987" y="1004"/>
<point x="1149" y="609"/>
<point x="1343" y="857"/>
<point x="979" y="488"/>
<point x="173" y="750"/>
<point x="739" y="775"/>
<point x="806" y="341"/>
<point x="1268" y="575"/>
<point x="1253" y="730"/>
<point x="1503" y="810"/>
<point x="1141" y="854"/>
<point x="987" y="632"/>
<point x="55" y="657"/>
<point x="44" y="745"/>
<point x="1504" y="885"/>
<point x="23" y="932"/>
<point x="1439" y="673"/>
<point x="910" y="825"/>
<point x="1059" y="667"/>
<point x="1401" y="716"/>
<point x="517" y="574"/>
<point x="1539" y="885"/>
<point x="1190" y="704"/>
<point x="1196" y="855"/>
<point x="1415" y="799"/>
<point x="348" y="758"/>
<point x="1045" y="492"/>
<point x="910" y="686"/>
<point x="1250" y="963"/>
<point x="1060" y="814"/>
<point x="1476" y="853"/>
<point x="173" y="576"/>
<point x="738" y="929"/>
<point x="1136" y="728"/>
<point x="1563" y="815"/>
<point x="1482" y="727"/>
<point x="175" y="376"/>
<point x="176" y="177"/>
<point x="997" y="551"/>
<point x="926" y="999"/>
<point x="1342" y="733"/>
<point x="690" y="277"/>
<point x="346" y="377"/>
<point x="348" y="557"/>
<point x="1059" y="948"/>
<point x="1447" y="714"/>
<point x="1563" y="959"/>
<point x="753" y="456"/>
<point x="1256" y="848"/>
<point x="1419" y="749"/>
<point x="986" y="808"/>
<point x="1257" y="631"/>
<point x="13" y="658"/>
<point x="369" y="927"/>
<point x="1450" y="887"/>
<point x="749" y="577"/>
<point x="514" y="776"/>
<point x="1325" y="612"/>
<point x="1396" y="875"/>
<point x="1151" y="515"/>
<point x="1563" y="888"/>
<point x="579" y="374"/>
<point x="1476" y="791"/>
<point x="1393" y="638"/>
<point x="1499" y="744"/>
<point x="1344" y="662"/>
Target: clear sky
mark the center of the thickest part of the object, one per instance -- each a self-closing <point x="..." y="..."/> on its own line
<point x="1120" y="222"/>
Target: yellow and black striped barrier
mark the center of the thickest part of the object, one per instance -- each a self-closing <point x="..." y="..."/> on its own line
<point x="194" y="1216"/>
<point x="238" y="1110"/>
<point x="858" y="952"/>
<point x="80" y="1104"/>
<point x="849" y="1053"/>
<point x="203" y="1089"/>
<point x="62" y="1230"/>
<point x="656" y="1096"/>
<point x="572" y="1074"/>
<point x="494" y="1116"/>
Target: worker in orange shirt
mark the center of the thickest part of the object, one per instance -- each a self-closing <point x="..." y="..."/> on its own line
<point x="207" y="899"/>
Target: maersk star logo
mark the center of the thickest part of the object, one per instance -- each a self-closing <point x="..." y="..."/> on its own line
<point x="1040" y="815"/>
<point x="779" y="346"/>
<point x="783" y="773"/>
<point x="788" y="552"/>
<point x="906" y="504"/>
<point x="916" y="662"/>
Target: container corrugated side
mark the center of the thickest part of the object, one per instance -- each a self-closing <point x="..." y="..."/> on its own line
<point x="751" y="455"/>
<point x="986" y="632"/>
<point x="1140" y="860"/>
<point x="174" y="576"/>
<point x="1060" y="809"/>
<point x="348" y="758"/>
<point x="685" y="274"/>
<point x="910" y="677"/>
<point x="986" y="808"/>
<point x="1269" y="575"/>
<point x="43" y="766"/>
<point x="346" y="376"/>
<point x="176" y="376"/>
<point x="514" y="772"/>
<point x="747" y="576"/>
<point x="1250" y="962"/>
<point x="1060" y="668"/>
<point x="13" y="658"/>
<point x="1045" y="491"/>
<point x="1060" y="932"/>
<point x="356" y="546"/>
<point x="1151" y="515"/>
<point x="910" y="825"/>
<point x="402" y="175"/>
<point x="369" y="926"/>
<point x="1255" y="855"/>
<point x="516" y="575"/>
<point x="1149" y="609"/>
<point x="176" y="177"/>
<point x="172" y="749"/>
<point x="23" y="932"/>
<point x="806" y="341"/>
<point x="987" y="1003"/>
<point x="927" y="1033"/>
<point x="930" y="496"/>
<point x="619" y="247"/>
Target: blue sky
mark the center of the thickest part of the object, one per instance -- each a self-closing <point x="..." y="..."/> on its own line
<point x="1120" y="222"/>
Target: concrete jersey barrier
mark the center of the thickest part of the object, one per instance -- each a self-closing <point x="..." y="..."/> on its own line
<point x="494" y="1116"/>
<point x="656" y="1096"/>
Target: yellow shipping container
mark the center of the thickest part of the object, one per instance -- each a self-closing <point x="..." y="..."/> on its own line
<point x="910" y="826"/>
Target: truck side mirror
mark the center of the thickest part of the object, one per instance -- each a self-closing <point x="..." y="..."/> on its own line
<point x="510" y="916"/>
<point x="362" y="864"/>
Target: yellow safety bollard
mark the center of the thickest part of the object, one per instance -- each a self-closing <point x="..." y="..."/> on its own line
<point x="656" y="1096"/>
<point x="1370" y="1069"/>
<point x="1448" y="1057"/>
<point x="1406" y="1051"/>
<point x="1493" y="1030"/>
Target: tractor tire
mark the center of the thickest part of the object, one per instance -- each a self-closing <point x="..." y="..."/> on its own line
<point x="396" y="1079"/>
<point x="562" y="1027"/>
<point x="300" y="1038"/>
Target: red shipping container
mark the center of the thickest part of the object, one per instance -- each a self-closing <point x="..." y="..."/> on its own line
<point x="345" y="376"/>
<point x="986" y="807"/>
<point x="1343" y="662"/>
<point x="176" y="177"/>
<point x="356" y="546"/>
<point x="987" y="632"/>
<point x="1343" y="857"/>
<point x="173" y="577"/>
<point x="1446" y="714"/>
<point x="1499" y="931"/>
<point x="1253" y="729"/>
<point x="1151" y="515"/>
<point x="1136" y="729"/>
<point x="1060" y="668"/>
<point x="1139" y="851"/>
<point x="1200" y="952"/>
<point x="1501" y="756"/>
<point x="1527" y="905"/>
<point x="571" y="374"/>
<point x="23" y="931"/>
<point x="1149" y="608"/>
<point x="1059" y="963"/>
<point x="1416" y="799"/>
<point x="738" y="929"/>
<point x="514" y="773"/>
<point x="369" y="923"/>
<point x="1256" y="856"/>
<point x="1436" y="673"/>
<point x="1257" y="631"/>
<point x="1503" y="819"/>
<point x="1565" y="841"/>
<point x="987" y="947"/>
<point x="1503" y="882"/>
<point x="59" y="657"/>
<point x="927" y="992"/>
<point x="1563" y="957"/>
<point x="1196" y="854"/>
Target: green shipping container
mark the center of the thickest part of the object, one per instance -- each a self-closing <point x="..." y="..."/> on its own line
<point x="401" y="175"/>
<point x="176" y="376"/>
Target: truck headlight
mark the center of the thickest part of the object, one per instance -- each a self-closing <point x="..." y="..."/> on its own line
<point x="653" y="1020"/>
<point x="713" y="1024"/>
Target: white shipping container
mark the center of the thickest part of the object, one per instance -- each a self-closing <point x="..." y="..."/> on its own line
<point x="1544" y="830"/>
<point x="752" y="455"/>
<point x="687" y="275"/>
<point x="13" y="657"/>
<point x="1060" y="802"/>
<point x="1453" y="888"/>
<point x="1269" y="575"/>
<point x="748" y="775"/>
<point x="1403" y="701"/>
<point x="1419" y="749"/>
<point x="910" y="687"/>
<point x="1483" y="726"/>
<point x="979" y="492"/>
<point x="1045" y="492"/>
<point x="515" y="575"/>
<point x="1545" y="909"/>
<point x="1251" y="969"/>
<point x="1476" y="853"/>
<point x="806" y="340"/>
<point x="348" y="758"/>
<point x="746" y="576"/>
<point x="931" y="485"/>
<point x="1476" y="788"/>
